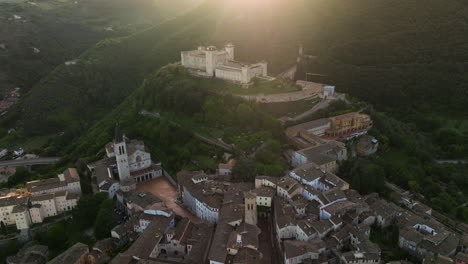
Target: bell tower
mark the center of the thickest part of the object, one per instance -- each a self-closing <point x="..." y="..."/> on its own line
<point x="121" y="156"/>
<point x="250" y="208"/>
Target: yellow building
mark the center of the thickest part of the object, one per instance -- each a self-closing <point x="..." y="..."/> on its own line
<point x="347" y="124"/>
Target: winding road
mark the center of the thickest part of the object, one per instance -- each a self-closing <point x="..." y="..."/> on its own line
<point x="29" y="162"/>
<point x="322" y="104"/>
<point x="453" y="161"/>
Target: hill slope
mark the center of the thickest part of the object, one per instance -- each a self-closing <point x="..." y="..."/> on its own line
<point x="382" y="51"/>
<point x="62" y="29"/>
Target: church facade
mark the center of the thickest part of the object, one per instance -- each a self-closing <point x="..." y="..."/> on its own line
<point x="133" y="161"/>
<point x="219" y="63"/>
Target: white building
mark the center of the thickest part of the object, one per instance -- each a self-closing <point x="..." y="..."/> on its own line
<point x="325" y="155"/>
<point x="212" y="62"/>
<point x="296" y="252"/>
<point x="203" y="197"/>
<point x="133" y="160"/>
<point x="68" y="181"/>
<point x="12" y="209"/>
<point x="52" y="204"/>
<point x="45" y="198"/>
<point x="22" y="217"/>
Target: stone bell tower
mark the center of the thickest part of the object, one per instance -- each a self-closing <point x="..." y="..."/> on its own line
<point x="121" y="156"/>
<point x="250" y="208"/>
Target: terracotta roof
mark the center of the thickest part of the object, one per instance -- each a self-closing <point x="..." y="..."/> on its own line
<point x="309" y="171"/>
<point x="73" y="196"/>
<point x="199" y="239"/>
<point x="209" y="192"/>
<point x="71" y="175"/>
<point x="12" y="200"/>
<point x="71" y="255"/>
<point x="141" y="198"/>
<point x="284" y="213"/>
<point x="339" y="207"/>
<point x="42" y="197"/>
<point x="44" y="185"/>
<point x="264" y="192"/>
<point x="289" y="184"/>
<point x="218" y="251"/>
<point x="324" y="153"/>
<point x="247" y="255"/>
<point x="292" y="131"/>
<point x="271" y="179"/>
<point x="294" y="248"/>
<point x="19" y="209"/>
<point x="150" y="238"/>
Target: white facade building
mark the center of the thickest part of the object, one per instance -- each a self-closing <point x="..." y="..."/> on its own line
<point x="133" y="161"/>
<point x="68" y="181"/>
<point x="212" y="62"/>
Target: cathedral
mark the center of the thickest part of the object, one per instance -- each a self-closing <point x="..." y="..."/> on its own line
<point x="133" y="160"/>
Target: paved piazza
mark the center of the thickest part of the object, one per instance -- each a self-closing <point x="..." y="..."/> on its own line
<point x="165" y="191"/>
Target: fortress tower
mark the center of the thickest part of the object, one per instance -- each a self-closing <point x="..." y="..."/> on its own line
<point x="210" y="53"/>
<point x="230" y="50"/>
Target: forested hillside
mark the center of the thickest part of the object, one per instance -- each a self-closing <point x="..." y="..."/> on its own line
<point x="36" y="36"/>
<point x="407" y="57"/>
<point x="186" y="105"/>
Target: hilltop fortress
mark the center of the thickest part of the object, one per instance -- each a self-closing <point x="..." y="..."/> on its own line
<point x="220" y="63"/>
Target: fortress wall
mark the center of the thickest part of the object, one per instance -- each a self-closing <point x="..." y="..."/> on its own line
<point x="229" y="75"/>
<point x="194" y="62"/>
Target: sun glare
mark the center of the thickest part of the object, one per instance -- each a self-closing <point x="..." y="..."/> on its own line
<point x="252" y="3"/>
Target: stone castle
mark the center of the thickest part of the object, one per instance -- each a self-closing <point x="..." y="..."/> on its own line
<point x="220" y="63"/>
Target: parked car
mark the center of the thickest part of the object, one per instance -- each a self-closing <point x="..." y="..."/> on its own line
<point x="18" y="153"/>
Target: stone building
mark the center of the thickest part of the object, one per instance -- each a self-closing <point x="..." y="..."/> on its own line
<point x="310" y="133"/>
<point x="77" y="254"/>
<point x="201" y="194"/>
<point x="325" y="155"/>
<point x="296" y="252"/>
<point x="250" y="208"/>
<point x="349" y="123"/>
<point x="220" y="63"/>
<point x="36" y="254"/>
<point x="68" y="181"/>
<point x="41" y="199"/>
<point x="132" y="159"/>
<point x="425" y="236"/>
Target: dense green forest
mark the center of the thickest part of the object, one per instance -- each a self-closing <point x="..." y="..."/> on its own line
<point x="405" y="58"/>
<point x="62" y="30"/>
<point x="398" y="54"/>
<point x="186" y="105"/>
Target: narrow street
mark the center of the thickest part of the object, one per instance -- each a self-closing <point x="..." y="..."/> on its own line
<point x="266" y="245"/>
